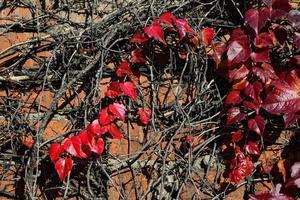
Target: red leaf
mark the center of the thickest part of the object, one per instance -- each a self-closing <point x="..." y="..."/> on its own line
<point x="237" y="52"/>
<point x="208" y="35"/>
<point x="137" y="56"/>
<point x="284" y="98"/>
<point x="138" y="37"/>
<point x="28" y="141"/>
<point x="239" y="73"/>
<point x="233" y="98"/>
<point x="63" y="167"/>
<point x="75" y="147"/>
<point x="97" y="146"/>
<point x="297" y="40"/>
<point x="253" y="90"/>
<point x="257" y="19"/>
<point x="295" y="176"/>
<point x="167" y="18"/>
<point x="252" y="148"/>
<point x="113" y="90"/>
<point x="253" y="105"/>
<point x="237" y="136"/>
<point x="129" y="89"/>
<point x="294" y="18"/>
<point x="105" y="117"/>
<point x="234" y="115"/>
<point x="118" y="110"/>
<point x="115" y="131"/>
<point x="95" y="128"/>
<point x="278" y="8"/>
<point x="241" y="84"/>
<point x="266" y="73"/>
<point x="218" y="50"/>
<point x="156" y="32"/>
<point x="183" y="27"/>
<point x="240" y="167"/>
<point x="144" y="115"/>
<point x="123" y="69"/>
<point x="91" y="143"/>
<point x="257" y="125"/>
<point x="55" y="151"/>
<point x="261" y="55"/>
<point x="264" y="40"/>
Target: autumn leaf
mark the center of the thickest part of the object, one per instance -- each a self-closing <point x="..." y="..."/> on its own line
<point x="129" y="89"/>
<point x="208" y="35"/>
<point x="234" y="115"/>
<point x="55" y="151"/>
<point x="238" y="51"/>
<point x="113" y="90"/>
<point x="284" y="98"/>
<point x="105" y="117"/>
<point x="261" y="55"/>
<point x="63" y="167"/>
<point x="156" y="32"/>
<point x="237" y="136"/>
<point x="183" y="28"/>
<point x="238" y="73"/>
<point x="240" y="167"/>
<point x="257" y="18"/>
<point x="118" y="110"/>
<point x="95" y="128"/>
<point x="75" y="147"/>
<point x="264" y="40"/>
<point x="138" y="37"/>
<point x="144" y="115"/>
<point x="115" y="131"/>
<point x="257" y="124"/>
<point x="123" y="69"/>
<point x="167" y="18"/>
<point x="218" y="50"/>
<point x="252" y="148"/>
<point x="233" y="98"/>
<point x="137" y="56"/>
<point x="278" y="8"/>
<point x="265" y="72"/>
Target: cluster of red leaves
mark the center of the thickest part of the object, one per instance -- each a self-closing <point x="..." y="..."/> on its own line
<point x="249" y="59"/>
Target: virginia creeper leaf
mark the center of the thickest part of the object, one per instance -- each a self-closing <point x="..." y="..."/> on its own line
<point x="168" y="19"/>
<point x="137" y="56"/>
<point x="118" y="110"/>
<point x="123" y="69"/>
<point x="257" y="124"/>
<point x="238" y="73"/>
<point x="183" y="27"/>
<point x="138" y="37"/>
<point x="156" y="32"/>
<point x="284" y="98"/>
<point x="63" y="167"/>
<point x="55" y="151"/>
<point x="144" y="115"/>
<point x="129" y="89"/>
<point x="237" y="52"/>
<point x="264" y="40"/>
<point x="233" y="98"/>
<point x="256" y="18"/>
<point x="252" y="148"/>
<point x="113" y="90"/>
<point x="234" y="115"/>
<point x="105" y="117"/>
<point x="261" y="55"/>
<point x="115" y="131"/>
<point x="208" y="35"/>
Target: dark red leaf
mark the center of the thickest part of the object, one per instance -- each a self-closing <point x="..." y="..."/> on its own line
<point x="284" y="98"/>
<point x="123" y="69"/>
<point x="137" y="56"/>
<point x="115" y="131"/>
<point x="167" y="18"/>
<point x="252" y="148"/>
<point x="233" y="98"/>
<point x="253" y="90"/>
<point x="105" y="117"/>
<point x="295" y="61"/>
<point x="294" y="18"/>
<point x="208" y="35"/>
<point x="63" y="167"/>
<point x="297" y="40"/>
<point x="55" y="151"/>
<point x="218" y="50"/>
<point x="118" y="110"/>
<point x="129" y="89"/>
<point x="144" y="115"/>
<point x="237" y="52"/>
<point x="75" y="147"/>
<point x="183" y="27"/>
<point x="254" y="105"/>
<point x="261" y="55"/>
<point x="28" y="141"/>
<point x="240" y="84"/>
<point x="156" y="32"/>
<point x="138" y="37"/>
<point x="240" y="167"/>
<point x="239" y="73"/>
<point x="237" y="136"/>
<point x="234" y="115"/>
<point x="266" y="73"/>
<point x="257" y="18"/>
<point x="113" y="90"/>
<point x="278" y="8"/>
<point x="257" y="125"/>
<point x="264" y="40"/>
